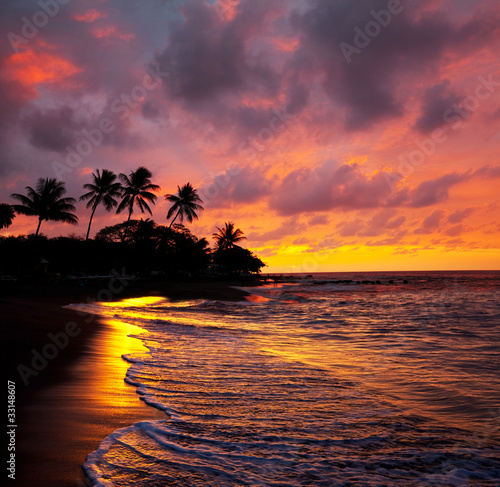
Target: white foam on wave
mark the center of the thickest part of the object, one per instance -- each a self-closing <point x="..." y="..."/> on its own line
<point x="153" y="451"/>
<point x="239" y="415"/>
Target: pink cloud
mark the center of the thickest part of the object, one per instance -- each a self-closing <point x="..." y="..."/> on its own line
<point x="431" y="223"/>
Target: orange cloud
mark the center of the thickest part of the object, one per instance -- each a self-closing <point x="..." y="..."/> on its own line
<point x="111" y="31"/>
<point x="286" y="45"/>
<point x="227" y="9"/>
<point x="32" y="68"/>
<point x="89" y="16"/>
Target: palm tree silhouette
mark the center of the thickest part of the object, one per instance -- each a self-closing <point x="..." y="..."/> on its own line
<point x="6" y="215"/>
<point x="227" y="237"/>
<point x="102" y="190"/>
<point x="185" y="202"/>
<point x="137" y="190"/>
<point x="46" y="202"/>
<point x="145" y="231"/>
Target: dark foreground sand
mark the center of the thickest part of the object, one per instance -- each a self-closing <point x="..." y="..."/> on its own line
<point x="78" y="397"/>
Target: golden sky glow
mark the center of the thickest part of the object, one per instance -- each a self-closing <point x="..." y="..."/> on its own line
<point x="386" y="158"/>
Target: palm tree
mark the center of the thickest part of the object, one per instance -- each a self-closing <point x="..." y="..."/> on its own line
<point x="47" y="202"/>
<point x="6" y="215"/>
<point x="102" y="190"/>
<point x="137" y="190"/>
<point x="227" y="237"/>
<point x="145" y="230"/>
<point x="185" y="202"/>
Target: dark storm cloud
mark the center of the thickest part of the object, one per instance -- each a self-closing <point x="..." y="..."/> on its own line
<point x="435" y="102"/>
<point x="431" y="223"/>
<point x="208" y="56"/>
<point x="342" y="186"/>
<point x="297" y="98"/>
<point x="368" y="83"/>
<point x="53" y="129"/>
<point x="235" y="185"/>
<point x="13" y="97"/>
<point x="35" y="118"/>
<point x="149" y="110"/>
<point x="329" y="186"/>
<point x="436" y="190"/>
<point x="289" y="227"/>
<point x="378" y="224"/>
<point x="459" y="215"/>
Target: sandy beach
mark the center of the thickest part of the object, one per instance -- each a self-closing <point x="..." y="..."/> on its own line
<point x="78" y="396"/>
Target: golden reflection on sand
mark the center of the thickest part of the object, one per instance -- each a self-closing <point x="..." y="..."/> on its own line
<point x="111" y="391"/>
<point x="71" y="418"/>
<point x="144" y="301"/>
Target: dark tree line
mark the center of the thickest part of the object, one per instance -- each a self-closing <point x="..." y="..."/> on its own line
<point x="141" y="245"/>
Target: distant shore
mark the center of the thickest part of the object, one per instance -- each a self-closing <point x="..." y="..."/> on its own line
<point x="50" y="354"/>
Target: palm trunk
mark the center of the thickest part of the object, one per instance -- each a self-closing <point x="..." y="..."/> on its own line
<point x="172" y="222"/>
<point x="38" y="227"/>
<point x="127" y="230"/>
<point x="90" y="222"/>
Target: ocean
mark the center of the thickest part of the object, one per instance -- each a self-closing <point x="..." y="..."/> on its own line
<point x="334" y="379"/>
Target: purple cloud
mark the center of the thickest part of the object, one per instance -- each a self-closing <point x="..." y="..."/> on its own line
<point x="431" y="223"/>
<point x="436" y="190"/>
<point x="459" y="215"/>
<point x="435" y="102"/>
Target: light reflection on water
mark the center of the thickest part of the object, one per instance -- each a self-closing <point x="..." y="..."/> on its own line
<point x="327" y="370"/>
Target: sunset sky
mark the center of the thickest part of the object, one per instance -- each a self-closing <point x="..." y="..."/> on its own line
<point x="338" y="135"/>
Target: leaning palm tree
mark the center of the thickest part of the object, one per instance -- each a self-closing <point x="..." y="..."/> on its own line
<point x="137" y="190"/>
<point x="103" y="190"/>
<point x="7" y="214"/>
<point x="47" y="202"/>
<point x="185" y="204"/>
<point x="227" y="237"/>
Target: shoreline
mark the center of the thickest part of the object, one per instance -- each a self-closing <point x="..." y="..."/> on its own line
<point x="62" y="413"/>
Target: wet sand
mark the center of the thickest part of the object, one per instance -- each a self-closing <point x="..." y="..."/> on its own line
<point x="70" y="418"/>
<point x="80" y="396"/>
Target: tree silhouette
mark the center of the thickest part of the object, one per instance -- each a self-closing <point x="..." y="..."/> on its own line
<point x="6" y="215"/>
<point x="137" y="190"/>
<point x="236" y="260"/>
<point x="102" y="191"/>
<point x="46" y="202"/>
<point x="227" y="237"/>
<point x="185" y="203"/>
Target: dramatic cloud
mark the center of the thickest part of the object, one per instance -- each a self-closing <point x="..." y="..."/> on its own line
<point x="210" y="57"/>
<point x="435" y="191"/>
<point x="54" y="129"/>
<point x="236" y="185"/>
<point x="431" y="223"/>
<point x="364" y="78"/>
<point x="460" y="215"/>
<point x="289" y="227"/>
<point x="379" y="224"/>
<point x="436" y="101"/>
<point x="291" y="117"/>
<point x="329" y="186"/>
